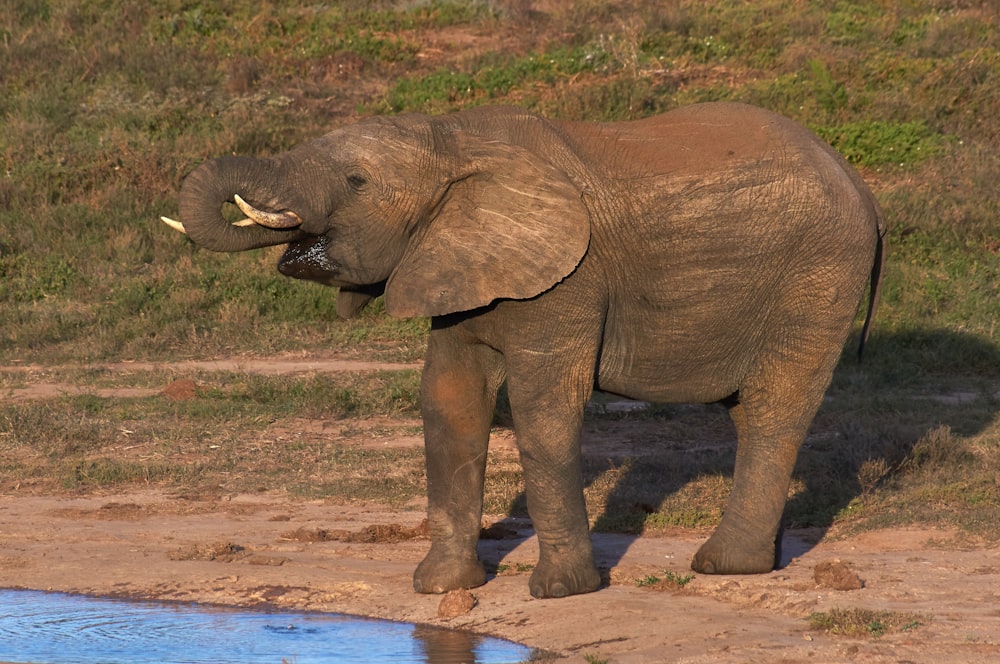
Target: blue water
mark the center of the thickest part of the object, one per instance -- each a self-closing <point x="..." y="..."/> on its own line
<point x="55" y="628"/>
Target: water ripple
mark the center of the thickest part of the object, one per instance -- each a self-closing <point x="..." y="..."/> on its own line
<point x="70" y="629"/>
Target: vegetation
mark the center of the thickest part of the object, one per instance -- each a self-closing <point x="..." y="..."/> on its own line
<point x="222" y="437"/>
<point x="108" y="104"/>
<point x="670" y="579"/>
<point x="865" y="622"/>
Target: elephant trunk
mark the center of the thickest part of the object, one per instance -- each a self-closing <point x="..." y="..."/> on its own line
<point x="219" y="181"/>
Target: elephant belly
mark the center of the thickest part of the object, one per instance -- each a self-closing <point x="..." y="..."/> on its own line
<point x="665" y="359"/>
<point x="652" y="379"/>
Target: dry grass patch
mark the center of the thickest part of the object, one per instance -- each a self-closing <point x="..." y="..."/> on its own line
<point x="865" y="622"/>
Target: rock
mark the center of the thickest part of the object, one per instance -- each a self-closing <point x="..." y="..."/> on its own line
<point x="836" y="575"/>
<point x="456" y="603"/>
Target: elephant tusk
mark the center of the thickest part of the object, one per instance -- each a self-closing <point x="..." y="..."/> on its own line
<point x="269" y="219"/>
<point x="176" y="225"/>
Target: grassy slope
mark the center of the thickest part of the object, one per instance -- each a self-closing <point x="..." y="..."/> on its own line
<point x="107" y="104"/>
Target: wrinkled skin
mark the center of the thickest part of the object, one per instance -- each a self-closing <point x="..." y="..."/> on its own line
<point x="717" y="253"/>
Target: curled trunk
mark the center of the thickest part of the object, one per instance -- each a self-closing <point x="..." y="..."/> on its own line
<point x="216" y="182"/>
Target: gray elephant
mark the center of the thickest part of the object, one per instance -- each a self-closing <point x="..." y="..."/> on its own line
<point x="716" y="253"/>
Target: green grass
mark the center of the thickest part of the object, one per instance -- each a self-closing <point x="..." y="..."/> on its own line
<point x="108" y="104"/>
<point x="876" y="143"/>
<point x="494" y="77"/>
<point x="669" y="579"/>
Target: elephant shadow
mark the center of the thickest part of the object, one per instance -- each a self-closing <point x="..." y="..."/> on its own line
<point x="915" y="393"/>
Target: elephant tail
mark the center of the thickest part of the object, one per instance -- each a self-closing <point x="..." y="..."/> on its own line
<point x="875" y="284"/>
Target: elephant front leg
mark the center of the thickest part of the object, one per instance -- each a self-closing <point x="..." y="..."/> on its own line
<point x="458" y="394"/>
<point x="554" y="488"/>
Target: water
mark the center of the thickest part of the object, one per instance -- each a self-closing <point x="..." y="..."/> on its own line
<point x="44" y="627"/>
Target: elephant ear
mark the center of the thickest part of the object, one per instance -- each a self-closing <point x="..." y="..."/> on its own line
<point x="509" y="225"/>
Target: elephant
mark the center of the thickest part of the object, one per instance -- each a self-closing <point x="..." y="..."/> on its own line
<point x="716" y="253"/>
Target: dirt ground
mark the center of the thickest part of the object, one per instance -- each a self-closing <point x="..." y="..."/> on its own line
<point x="267" y="549"/>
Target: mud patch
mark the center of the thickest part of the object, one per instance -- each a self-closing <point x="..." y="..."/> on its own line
<point x="270" y="561"/>
<point x="183" y="389"/>
<point x="123" y="511"/>
<point x="222" y="552"/>
<point x="837" y="575"/>
<point x="373" y="534"/>
<point x="276" y="594"/>
<point x="500" y="531"/>
<point x="111" y="511"/>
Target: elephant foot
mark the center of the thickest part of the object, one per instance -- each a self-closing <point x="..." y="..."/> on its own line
<point x="730" y="555"/>
<point x="548" y="581"/>
<point x="439" y="574"/>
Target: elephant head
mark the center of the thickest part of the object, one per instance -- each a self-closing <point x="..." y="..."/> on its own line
<point x="443" y="214"/>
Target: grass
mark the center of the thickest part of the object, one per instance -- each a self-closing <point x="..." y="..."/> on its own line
<point x="515" y="568"/>
<point x="222" y="438"/>
<point x="108" y="105"/>
<point x="669" y="580"/>
<point x="865" y="622"/>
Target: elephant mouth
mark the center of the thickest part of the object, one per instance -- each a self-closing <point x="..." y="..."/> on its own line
<point x="308" y="259"/>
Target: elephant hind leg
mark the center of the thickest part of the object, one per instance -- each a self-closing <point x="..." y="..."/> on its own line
<point x="771" y="418"/>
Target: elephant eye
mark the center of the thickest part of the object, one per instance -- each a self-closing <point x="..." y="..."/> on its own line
<point x="357" y="180"/>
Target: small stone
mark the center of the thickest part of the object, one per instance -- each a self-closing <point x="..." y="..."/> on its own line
<point x="836" y="575"/>
<point x="456" y="603"/>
